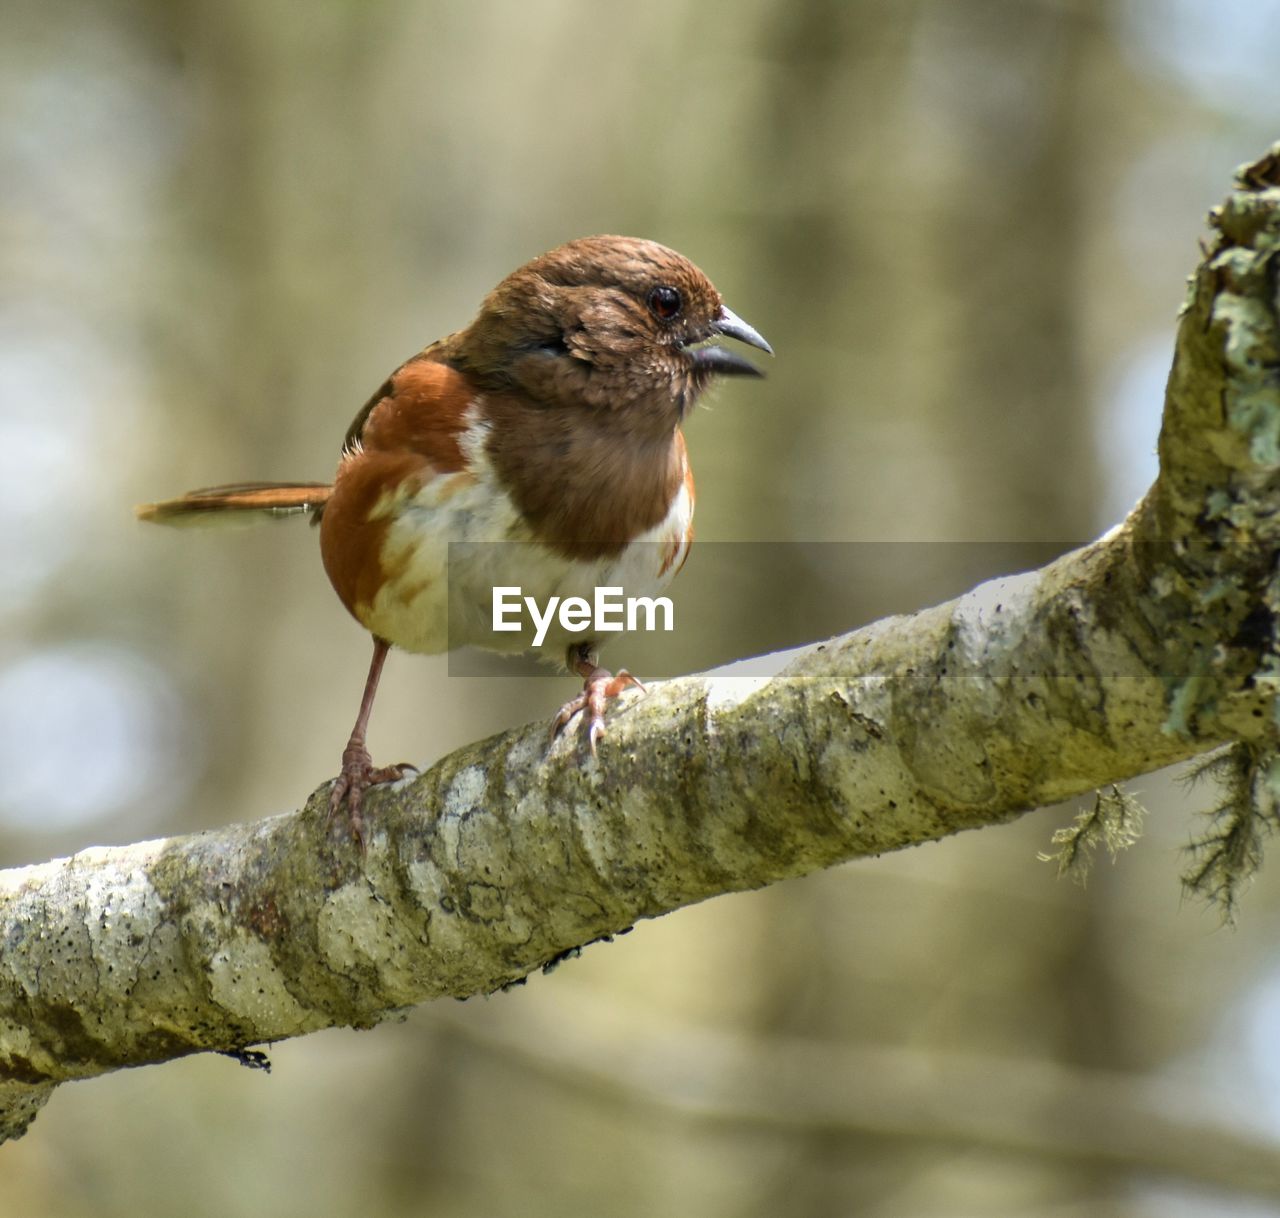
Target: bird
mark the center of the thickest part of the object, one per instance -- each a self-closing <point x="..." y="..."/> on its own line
<point x="541" y="447"/>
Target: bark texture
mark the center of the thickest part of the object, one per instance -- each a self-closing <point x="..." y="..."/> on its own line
<point x="1154" y="644"/>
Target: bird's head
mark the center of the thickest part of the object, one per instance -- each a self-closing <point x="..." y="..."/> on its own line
<point x="610" y="324"/>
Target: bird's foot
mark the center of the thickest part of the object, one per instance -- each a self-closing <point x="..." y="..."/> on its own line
<point x="598" y="687"/>
<point x="357" y="775"/>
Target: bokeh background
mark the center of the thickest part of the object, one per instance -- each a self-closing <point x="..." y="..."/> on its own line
<point x="965" y="225"/>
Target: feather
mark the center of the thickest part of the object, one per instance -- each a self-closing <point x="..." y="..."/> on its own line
<point x="238" y="503"/>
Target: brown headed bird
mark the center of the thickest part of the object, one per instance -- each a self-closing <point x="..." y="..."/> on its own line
<point x="545" y="437"/>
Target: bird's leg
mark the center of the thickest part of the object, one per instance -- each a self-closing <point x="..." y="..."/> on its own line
<point x="598" y="686"/>
<point x="358" y="772"/>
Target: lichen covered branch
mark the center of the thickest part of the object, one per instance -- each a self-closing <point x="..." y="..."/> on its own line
<point x="1154" y="644"/>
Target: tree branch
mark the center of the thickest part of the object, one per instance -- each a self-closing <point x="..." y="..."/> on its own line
<point x="1152" y="645"/>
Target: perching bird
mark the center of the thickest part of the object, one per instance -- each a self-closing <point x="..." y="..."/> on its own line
<point x="545" y="437"/>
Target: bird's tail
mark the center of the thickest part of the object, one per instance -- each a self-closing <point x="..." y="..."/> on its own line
<point x="239" y="503"/>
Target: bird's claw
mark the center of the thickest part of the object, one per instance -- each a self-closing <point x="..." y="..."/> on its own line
<point x="357" y="775"/>
<point x="597" y="689"/>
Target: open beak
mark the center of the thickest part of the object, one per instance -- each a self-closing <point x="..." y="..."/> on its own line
<point x="721" y="359"/>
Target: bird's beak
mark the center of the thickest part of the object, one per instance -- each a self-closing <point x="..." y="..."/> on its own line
<point x="724" y="361"/>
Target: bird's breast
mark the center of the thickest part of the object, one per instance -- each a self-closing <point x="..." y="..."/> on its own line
<point x="440" y="543"/>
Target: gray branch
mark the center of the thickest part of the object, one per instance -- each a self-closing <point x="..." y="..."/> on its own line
<point x="1151" y="645"/>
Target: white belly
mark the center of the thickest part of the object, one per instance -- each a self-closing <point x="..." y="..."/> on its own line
<point x="454" y="542"/>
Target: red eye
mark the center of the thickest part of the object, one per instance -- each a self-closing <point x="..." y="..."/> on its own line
<point x="664" y="302"/>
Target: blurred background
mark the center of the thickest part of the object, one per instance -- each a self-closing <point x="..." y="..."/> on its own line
<point x="965" y="226"/>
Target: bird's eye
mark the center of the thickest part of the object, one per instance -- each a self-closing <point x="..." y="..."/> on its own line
<point x="664" y="302"/>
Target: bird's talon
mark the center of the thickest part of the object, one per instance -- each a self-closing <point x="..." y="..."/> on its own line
<point x="624" y="680"/>
<point x="358" y="774"/>
<point x="564" y="716"/>
<point x="599" y="687"/>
